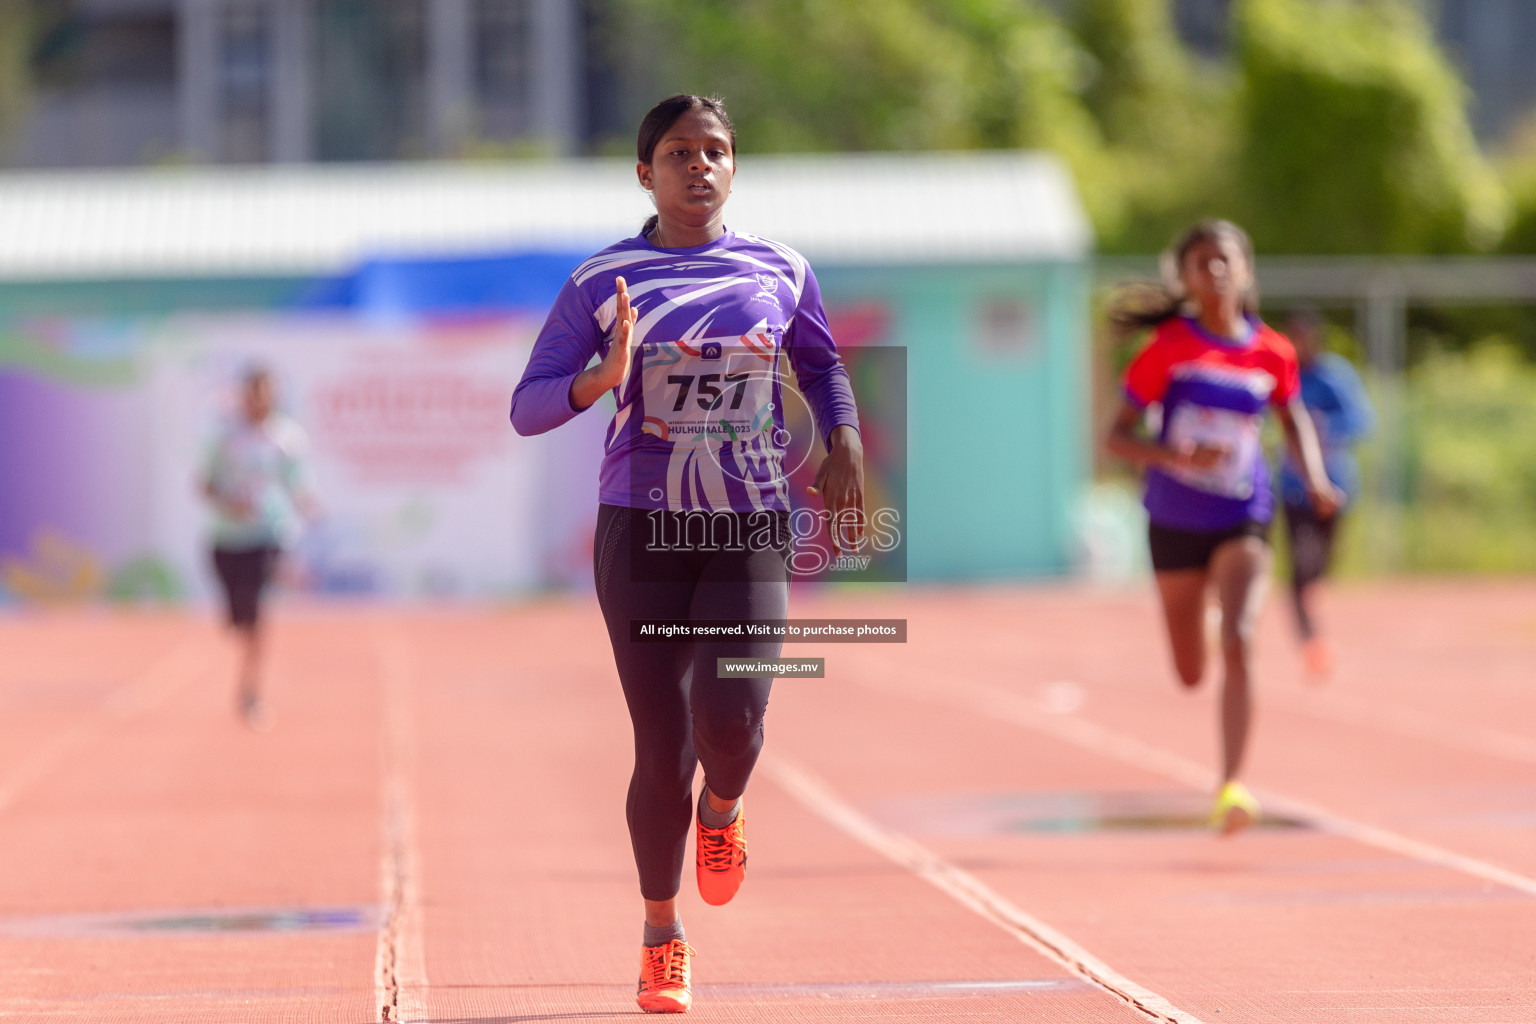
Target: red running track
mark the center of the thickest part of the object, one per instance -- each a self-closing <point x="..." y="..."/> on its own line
<point x="997" y="820"/>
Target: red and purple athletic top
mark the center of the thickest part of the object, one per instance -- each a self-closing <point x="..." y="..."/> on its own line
<point x="1213" y="392"/>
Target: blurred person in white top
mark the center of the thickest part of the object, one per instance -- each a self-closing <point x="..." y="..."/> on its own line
<point x="256" y="477"/>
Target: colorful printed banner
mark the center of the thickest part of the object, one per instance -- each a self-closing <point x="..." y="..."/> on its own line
<point x="425" y="489"/>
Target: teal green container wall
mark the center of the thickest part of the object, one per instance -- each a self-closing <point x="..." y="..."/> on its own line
<point x="997" y="444"/>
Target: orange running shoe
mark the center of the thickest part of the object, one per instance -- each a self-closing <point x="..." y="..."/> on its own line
<point x="664" y="978"/>
<point x="1318" y="655"/>
<point x="721" y="859"/>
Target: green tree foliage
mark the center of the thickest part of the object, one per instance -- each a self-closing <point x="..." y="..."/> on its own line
<point x="878" y="75"/>
<point x="1353" y="134"/>
<point x="1517" y="166"/>
<point x="1112" y="91"/>
<point x="1520" y="237"/>
<point x="1143" y="78"/>
<point x="16" y="31"/>
<point x="1166" y="117"/>
<point x="806" y="75"/>
<point x="1473" y="458"/>
<point x="1336" y="127"/>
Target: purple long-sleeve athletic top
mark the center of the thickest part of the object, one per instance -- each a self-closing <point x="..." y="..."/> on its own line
<point x="700" y="419"/>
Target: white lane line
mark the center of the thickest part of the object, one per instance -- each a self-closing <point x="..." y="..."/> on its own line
<point x="1004" y="706"/>
<point x="181" y="665"/>
<point x="968" y="890"/>
<point x="1350" y="709"/>
<point x="399" y="973"/>
<point x="1385" y="839"/>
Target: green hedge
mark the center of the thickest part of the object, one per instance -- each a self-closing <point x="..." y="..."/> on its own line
<point x="1468" y="470"/>
<point x="1354" y="133"/>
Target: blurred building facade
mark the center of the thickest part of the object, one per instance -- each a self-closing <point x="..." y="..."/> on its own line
<point x="116" y="83"/>
<point x="132" y="82"/>
<point x="1490" y="41"/>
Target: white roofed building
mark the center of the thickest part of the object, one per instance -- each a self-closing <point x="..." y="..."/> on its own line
<point x="211" y="222"/>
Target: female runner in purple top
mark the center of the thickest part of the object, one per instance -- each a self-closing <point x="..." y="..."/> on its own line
<point x="693" y="326"/>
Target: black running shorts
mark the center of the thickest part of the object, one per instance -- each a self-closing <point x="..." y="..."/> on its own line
<point x="244" y="573"/>
<point x="1173" y="550"/>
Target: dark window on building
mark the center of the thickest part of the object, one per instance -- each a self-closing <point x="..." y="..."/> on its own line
<point x="103" y="86"/>
<point x="1203" y="24"/>
<point x="77" y="50"/>
<point x="610" y="120"/>
<point x="503" y="77"/>
<point x="245" y="69"/>
<point x="369" y="81"/>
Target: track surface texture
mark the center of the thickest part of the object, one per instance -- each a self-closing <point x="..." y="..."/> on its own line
<point x="998" y="820"/>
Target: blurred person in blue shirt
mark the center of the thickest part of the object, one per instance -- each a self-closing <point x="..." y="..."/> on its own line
<point x="256" y="478"/>
<point x="1336" y="399"/>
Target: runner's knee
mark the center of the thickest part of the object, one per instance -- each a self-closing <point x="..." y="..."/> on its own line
<point x="729" y="738"/>
<point x="1237" y="632"/>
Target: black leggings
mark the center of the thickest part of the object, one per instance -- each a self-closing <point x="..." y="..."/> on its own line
<point x="244" y="573"/>
<point x="682" y="713"/>
<point x="1311" y="540"/>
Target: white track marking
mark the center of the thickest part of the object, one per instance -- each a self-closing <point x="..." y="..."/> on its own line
<point x="399" y="973"/>
<point x="183" y="664"/>
<point x="1004" y="706"/>
<point x="1385" y="839"/>
<point x="968" y="890"/>
<point x="1350" y="709"/>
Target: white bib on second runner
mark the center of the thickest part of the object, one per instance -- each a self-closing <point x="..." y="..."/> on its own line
<point x="1234" y="434"/>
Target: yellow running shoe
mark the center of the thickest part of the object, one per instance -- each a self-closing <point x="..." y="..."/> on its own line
<point x="721" y="859"/>
<point x="664" y="978"/>
<point x="1235" y="809"/>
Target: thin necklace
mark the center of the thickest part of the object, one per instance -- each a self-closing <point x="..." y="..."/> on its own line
<point x="655" y="238"/>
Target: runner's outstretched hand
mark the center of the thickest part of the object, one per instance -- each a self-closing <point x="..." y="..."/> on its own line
<point x="1326" y="499"/>
<point x="840" y="484"/>
<point x="613" y="371"/>
<point x="616" y="363"/>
